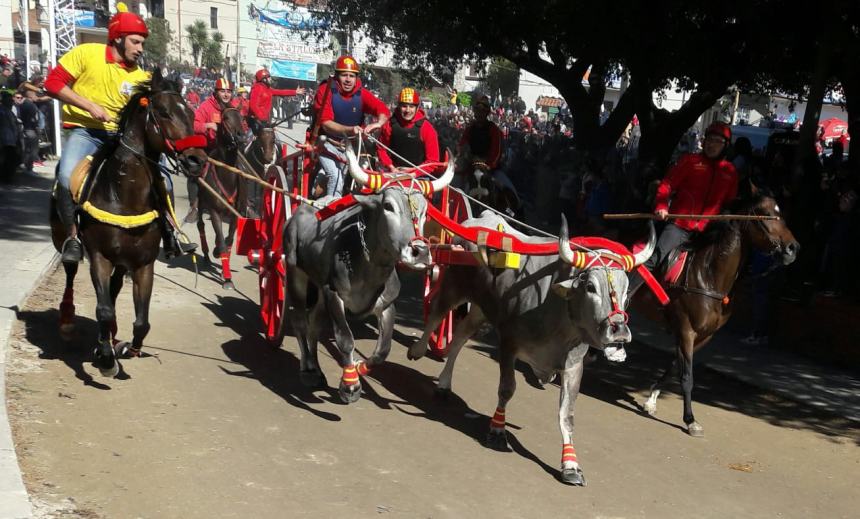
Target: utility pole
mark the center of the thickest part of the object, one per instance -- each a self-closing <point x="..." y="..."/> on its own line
<point x="179" y="21"/>
<point x="24" y="9"/>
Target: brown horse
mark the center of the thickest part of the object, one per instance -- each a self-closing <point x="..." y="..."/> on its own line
<point x="261" y="153"/>
<point x="701" y="300"/>
<point x="228" y="144"/>
<point x="120" y="225"/>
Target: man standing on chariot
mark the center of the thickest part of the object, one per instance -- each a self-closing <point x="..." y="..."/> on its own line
<point x="700" y="183"/>
<point x="94" y="81"/>
<point x="260" y="107"/>
<point x="340" y="106"/>
<point x="409" y="135"/>
<point x="207" y="118"/>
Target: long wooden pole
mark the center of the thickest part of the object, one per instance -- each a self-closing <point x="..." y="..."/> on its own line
<point x="722" y="217"/>
<point x="219" y="198"/>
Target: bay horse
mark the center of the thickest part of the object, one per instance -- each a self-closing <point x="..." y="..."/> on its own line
<point x="701" y="301"/>
<point x="229" y="140"/>
<point x="261" y="153"/>
<point x="120" y="224"/>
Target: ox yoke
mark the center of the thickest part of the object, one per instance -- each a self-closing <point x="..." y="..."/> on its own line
<point x="333" y="254"/>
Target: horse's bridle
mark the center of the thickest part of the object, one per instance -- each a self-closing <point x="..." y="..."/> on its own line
<point x="234" y="142"/>
<point x="174" y="146"/>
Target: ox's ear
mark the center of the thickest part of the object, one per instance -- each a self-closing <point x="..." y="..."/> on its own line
<point x="371" y="201"/>
<point x="565" y="288"/>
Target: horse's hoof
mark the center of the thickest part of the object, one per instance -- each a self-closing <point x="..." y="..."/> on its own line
<point x="573" y="477"/>
<point x="349" y="394"/>
<point x="442" y="393"/>
<point x="650" y="408"/>
<point x="105" y="360"/>
<point x="415" y="353"/>
<point x="228" y="285"/>
<point x="695" y="430"/>
<point x="498" y="441"/>
<point x="125" y="350"/>
<point x="312" y="378"/>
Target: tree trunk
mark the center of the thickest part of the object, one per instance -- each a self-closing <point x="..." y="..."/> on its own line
<point x="817" y="87"/>
<point x="661" y="130"/>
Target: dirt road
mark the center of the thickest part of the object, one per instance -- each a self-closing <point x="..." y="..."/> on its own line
<point x="216" y="424"/>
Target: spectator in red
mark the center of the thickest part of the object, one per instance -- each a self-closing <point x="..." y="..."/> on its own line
<point x="340" y="106"/>
<point x="192" y="98"/>
<point x="410" y="135"/>
<point x="844" y="138"/>
<point x="260" y="108"/>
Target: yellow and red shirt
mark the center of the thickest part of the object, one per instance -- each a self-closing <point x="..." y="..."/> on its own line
<point x="92" y="73"/>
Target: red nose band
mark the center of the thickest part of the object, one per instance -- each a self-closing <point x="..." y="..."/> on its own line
<point x="192" y="141"/>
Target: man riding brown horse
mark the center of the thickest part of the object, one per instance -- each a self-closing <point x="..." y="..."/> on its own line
<point x="94" y="81"/>
<point x="700" y="183"/>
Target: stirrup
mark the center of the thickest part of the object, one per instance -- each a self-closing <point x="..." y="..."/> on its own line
<point x="72" y="251"/>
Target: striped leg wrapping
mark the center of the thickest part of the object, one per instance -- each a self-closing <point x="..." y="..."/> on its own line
<point x="225" y="266"/>
<point x="362" y="368"/>
<point x="568" y="454"/>
<point x="498" y="419"/>
<point x="350" y="376"/>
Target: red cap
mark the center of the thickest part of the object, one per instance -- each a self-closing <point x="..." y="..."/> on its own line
<point x="262" y="73"/>
<point x="346" y="64"/>
<point x="409" y="96"/>
<point x="223" y="83"/>
<point x="123" y="23"/>
<point x="721" y="129"/>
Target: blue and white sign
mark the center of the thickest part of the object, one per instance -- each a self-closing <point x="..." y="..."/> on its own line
<point x="85" y="18"/>
<point x="294" y="70"/>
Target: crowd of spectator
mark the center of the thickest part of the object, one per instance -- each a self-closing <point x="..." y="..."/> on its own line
<point x="26" y="125"/>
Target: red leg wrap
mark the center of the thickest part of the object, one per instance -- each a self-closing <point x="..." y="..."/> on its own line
<point x="67" y="307"/>
<point x="225" y="266"/>
<point x="362" y="368"/>
<point x="568" y="453"/>
<point x="350" y="376"/>
<point x="498" y="420"/>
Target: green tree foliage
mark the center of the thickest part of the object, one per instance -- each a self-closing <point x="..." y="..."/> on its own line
<point x="159" y="40"/>
<point x="198" y="37"/>
<point x="502" y="76"/>
<point x="212" y="55"/>
<point x="702" y="47"/>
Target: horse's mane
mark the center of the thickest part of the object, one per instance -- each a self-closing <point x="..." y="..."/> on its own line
<point x="716" y="230"/>
<point x="125" y="116"/>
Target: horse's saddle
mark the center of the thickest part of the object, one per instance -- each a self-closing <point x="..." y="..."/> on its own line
<point x="674" y="266"/>
<point x="79" y="178"/>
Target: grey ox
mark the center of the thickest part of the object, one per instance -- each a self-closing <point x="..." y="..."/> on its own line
<point x="547" y="313"/>
<point x="345" y="264"/>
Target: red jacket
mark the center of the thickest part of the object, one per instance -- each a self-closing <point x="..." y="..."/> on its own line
<point x="193" y="99"/>
<point x="370" y="104"/>
<point x="697" y="185"/>
<point x="427" y="135"/>
<point x="209" y="112"/>
<point x="261" y="100"/>
<point x="495" y="151"/>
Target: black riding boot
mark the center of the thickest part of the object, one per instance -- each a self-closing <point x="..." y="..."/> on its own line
<point x="173" y="247"/>
<point x="72" y="250"/>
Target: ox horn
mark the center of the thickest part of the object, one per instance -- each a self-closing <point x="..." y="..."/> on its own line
<point x="643" y="255"/>
<point x="440" y="183"/>
<point x="355" y="171"/>
<point x="564" y="250"/>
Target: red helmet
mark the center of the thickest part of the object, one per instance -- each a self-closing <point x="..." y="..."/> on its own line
<point x="261" y="74"/>
<point x="123" y="23"/>
<point x="346" y="64"/>
<point x="409" y="96"/>
<point x="223" y="83"/>
<point x="721" y="129"/>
